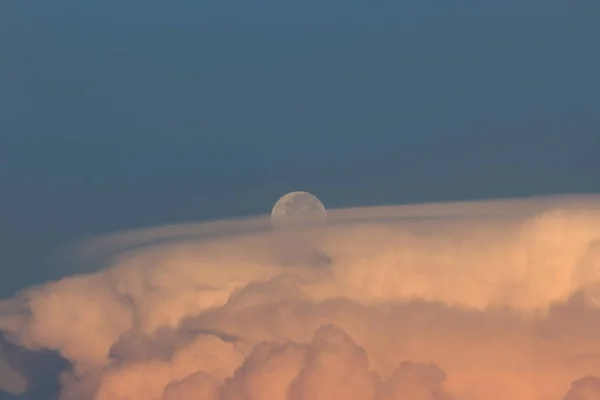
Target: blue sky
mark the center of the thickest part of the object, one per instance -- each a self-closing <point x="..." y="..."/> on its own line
<point x="120" y="115"/>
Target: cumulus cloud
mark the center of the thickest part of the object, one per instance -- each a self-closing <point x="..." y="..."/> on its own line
<point x="464" y="301"/>
<point x="587" y="388"/>
<point x="196" y="386"/>
<point x="11" y="380"/>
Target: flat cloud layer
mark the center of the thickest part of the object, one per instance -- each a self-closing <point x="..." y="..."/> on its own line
<point x="465" y="301"/>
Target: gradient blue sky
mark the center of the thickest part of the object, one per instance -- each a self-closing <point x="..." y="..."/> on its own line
<point x="116" y="115"/>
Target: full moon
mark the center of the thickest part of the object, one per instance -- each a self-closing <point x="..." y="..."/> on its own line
<point x="296" y="210"/>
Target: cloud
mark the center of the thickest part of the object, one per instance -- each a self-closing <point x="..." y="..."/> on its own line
<point x="587" y="388"/>
<point x="11" y="380"/>
<point x="463" y="301"/>
<point x="415" y="381"/>
<point x="336" y="368"/>
<point x="196" y="386"/>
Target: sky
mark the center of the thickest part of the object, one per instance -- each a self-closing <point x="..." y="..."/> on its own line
<point x="116" y="116"/>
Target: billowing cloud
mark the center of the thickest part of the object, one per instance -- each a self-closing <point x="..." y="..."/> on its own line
<point x="587" y="388"/>
<point x="464" y="301"/>
<point x="11" y="380"/>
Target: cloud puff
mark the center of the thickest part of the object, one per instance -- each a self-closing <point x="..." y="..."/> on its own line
<point x="11" y="380"/>
<point x="464" y="301"/>
<point x="587" y="388"/>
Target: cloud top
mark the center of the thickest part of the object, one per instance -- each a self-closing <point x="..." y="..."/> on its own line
<point x="489" y="300"/>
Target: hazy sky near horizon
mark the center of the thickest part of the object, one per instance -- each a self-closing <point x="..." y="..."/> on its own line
<point x="119" y="115"/>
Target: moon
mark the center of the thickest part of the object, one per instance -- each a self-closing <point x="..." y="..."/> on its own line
<point x="298" y="210"/>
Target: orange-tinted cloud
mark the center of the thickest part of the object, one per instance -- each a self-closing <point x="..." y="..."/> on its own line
<point x="497" y="300"/>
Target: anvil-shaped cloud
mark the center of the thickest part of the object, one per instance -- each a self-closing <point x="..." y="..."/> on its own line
<point x="467" y="301"/>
